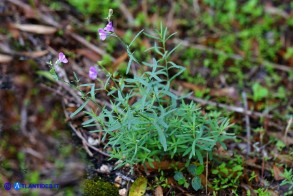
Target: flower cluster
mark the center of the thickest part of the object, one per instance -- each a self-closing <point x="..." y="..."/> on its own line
<point x="62" y="58"/>
<point x="93" y="72"/>
<point x="103" y="33"/>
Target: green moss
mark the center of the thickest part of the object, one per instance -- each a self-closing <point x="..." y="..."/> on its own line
<point x="99" y="188"/>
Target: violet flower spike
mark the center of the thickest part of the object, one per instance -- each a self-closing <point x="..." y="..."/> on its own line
<point x="93" y="72"/>
<point x="102" y="34"/>
<point x="109" y="27"/>
<point x="62" y="58"/>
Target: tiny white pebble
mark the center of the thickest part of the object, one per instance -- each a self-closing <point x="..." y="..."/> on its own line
<point x="118" y="179"/>
<point x="93" y="141"/>
<point x="105" y="169"/>
<point x="123" y="192"/>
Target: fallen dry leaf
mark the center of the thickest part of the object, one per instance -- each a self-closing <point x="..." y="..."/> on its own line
<point x="205" y="182"/>
<point x="35" y="54"/>
<point x="225" y="92"/>
<point x="284" y="159"/>
<point x="38" y="29"/>
<point x="163" y="165"/>
<point x="138" y="188"/>
<point x="28" y="11"/>
<point x="119" y="60"/>
<point x="93" y="56"/>
<point x="280" y="136"/>
<point x="5" y="58"/>
<point x="158" y="191"/>
<point x="192" y="86"/>
<point x="277" y="173"/>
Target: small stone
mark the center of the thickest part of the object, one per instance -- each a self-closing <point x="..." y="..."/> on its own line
<point x="123" y="192"/>
<point x="93" y="141"/>
<point x="105" y="169"/>
<point x="117" y="185"/>
<point x="118" y="179"/>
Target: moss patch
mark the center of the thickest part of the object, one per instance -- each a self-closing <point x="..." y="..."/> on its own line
<point x="99" y="188"/>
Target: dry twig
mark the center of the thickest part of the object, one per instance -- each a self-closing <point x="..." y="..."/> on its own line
<point x="247" y="123"/>
<point x="227" y="107"/>
<point x="287" y="130"/>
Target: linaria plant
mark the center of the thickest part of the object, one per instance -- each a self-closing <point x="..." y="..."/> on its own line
<point x="146" y="122"/>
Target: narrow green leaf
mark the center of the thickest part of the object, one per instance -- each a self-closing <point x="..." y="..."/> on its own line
<point x="75" y="77"/>
<point x="135" y="37"/>
<point x="164" y="34"/>
<point x="151" y="36"/>
<point x="171" y="35"/>
<point x="107" y="81"/>
<point x="79" y="109"/>
<point x="193" y="147"/>
<point x="88" y="122"/>
<point x="47" y="75"/>
<point x="54" y="74"/>
<point x="162" y="137"/>
<point x="169" y="53"/>
<point x="129" y="64"/>
<point x="92" y="92"/>
<point x="199" y="156"/>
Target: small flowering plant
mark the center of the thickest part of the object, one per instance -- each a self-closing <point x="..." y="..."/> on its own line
<point x="105" y="32"/>
<point x="158" y="124"/>
<point x="55" y="68"/>
<point x="146" y="121"/>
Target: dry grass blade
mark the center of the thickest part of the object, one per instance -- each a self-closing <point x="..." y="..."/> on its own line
<point x="38" y="29"/>
<point x="5" y="58"/>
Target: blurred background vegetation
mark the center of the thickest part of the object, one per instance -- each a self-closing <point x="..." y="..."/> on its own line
<point x="229" y="48"/>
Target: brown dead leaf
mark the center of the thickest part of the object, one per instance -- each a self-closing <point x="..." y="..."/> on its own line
<point x="225" y="92"/>
<point x="28" y="11"/>
<point x="35" y="54"/>
<point x="38" y="29"/>
<point x="163" y="165"/>
<point x="71" y="109"/>
<point x="251" y="161"/>
<point x="93" y="56"/>
<point x="192" y="87"/>
<point x="5" y="58"/>
<point x="280" y="136"/>
<point x="205" y="182"/>
<point x="277" y="173"/>
<point x="158" y="191"/>
<point x="285" y="159"/>
<point x="119" y="60"/>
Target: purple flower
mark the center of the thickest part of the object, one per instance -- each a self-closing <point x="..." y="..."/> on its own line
<point x="62" y="58"/>
<point x="93" y="72"/>
<point x="103" y="33"/>
<point x="109" y="27"/>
